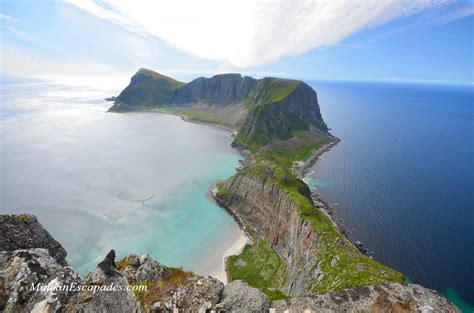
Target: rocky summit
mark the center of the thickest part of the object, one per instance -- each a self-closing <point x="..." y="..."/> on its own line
<point x="167" y="289"/>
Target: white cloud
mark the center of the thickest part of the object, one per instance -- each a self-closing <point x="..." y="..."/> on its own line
<point x="246" y="33"/>
<point x="16" y="63"/>
<point x="24" y="36"/>
<point x="7" y="19"/>
<point x="454" y="15"/>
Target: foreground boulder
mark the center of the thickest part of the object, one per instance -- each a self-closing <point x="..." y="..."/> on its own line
<point x="23" y="270"/>
<point x="391" y="297"/>
<point x="240" y="297"/>
<point x="23" y="231"/>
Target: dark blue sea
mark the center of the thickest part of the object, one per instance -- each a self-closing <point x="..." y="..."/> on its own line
<point x="402" y="178"/>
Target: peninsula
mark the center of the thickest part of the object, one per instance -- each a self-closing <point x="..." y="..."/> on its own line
<point x="298" y="258"/>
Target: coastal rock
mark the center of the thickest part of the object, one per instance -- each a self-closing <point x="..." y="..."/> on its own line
<point x="141" y="268"/>
<point x="23" y="270"/>
<point x="240" y="297"/>
<point x="170" y="288"/>
<point x="390" y="297"/>
<point x="257" y="199"/>
<point x="25" y="232"/>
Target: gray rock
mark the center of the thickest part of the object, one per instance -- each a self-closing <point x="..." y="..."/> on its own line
<point x="23" y="231"/>
<point x="22" y="271"/>
<point x="141" y="268"/>
<point x="240" y="297"/>
<point x="390" y="297"/>
<point x="113" y="293"/>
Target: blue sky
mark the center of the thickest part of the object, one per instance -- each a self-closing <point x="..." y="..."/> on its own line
<point x="309" y="39"/>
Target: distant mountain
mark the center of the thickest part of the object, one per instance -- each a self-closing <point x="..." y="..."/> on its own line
<point x="263" y="110"/>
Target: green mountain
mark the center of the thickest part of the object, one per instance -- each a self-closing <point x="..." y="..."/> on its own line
<point x="265" y="111"/>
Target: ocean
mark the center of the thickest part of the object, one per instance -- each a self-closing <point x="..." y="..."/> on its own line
<point x="137" y="183"/>
<point x="402" y="177"/>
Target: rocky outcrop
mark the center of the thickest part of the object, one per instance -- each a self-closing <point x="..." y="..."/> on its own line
<point x="219" y="89"/>
<point x="170" y="288"/>
<point x="240" y="297"/>
<point x="112" y="291"/>
<point x="267" y="211"/>
<point x="23" y="270"/>
<point x="374" y="298"/>
<point x="25" y="232"/>
<point x="271" y="203"/>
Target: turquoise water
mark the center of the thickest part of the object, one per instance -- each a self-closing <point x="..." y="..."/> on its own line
<point x="402" y="177"/>
<point x="136" y="183"/>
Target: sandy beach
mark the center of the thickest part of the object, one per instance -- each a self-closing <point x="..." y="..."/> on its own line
<point x="215" y="267"/>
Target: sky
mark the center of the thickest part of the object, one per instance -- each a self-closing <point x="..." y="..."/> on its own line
<point x="89" y="40"/>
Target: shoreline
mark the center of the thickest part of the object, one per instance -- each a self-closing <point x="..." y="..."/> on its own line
<point x="238" y="245"/>
<point x="233" y="249"/>
<point x="323" y="205"/>
<point x="184" y="118"/>
<point x="301" y="170"/>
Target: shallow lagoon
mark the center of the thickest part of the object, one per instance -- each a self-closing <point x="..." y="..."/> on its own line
<point x="132" y="182"/>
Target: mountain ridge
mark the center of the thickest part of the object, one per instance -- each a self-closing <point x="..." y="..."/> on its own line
<point x="241" y="102"/>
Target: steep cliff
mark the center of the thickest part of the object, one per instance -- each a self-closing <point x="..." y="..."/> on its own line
<point x="273" y="204"/>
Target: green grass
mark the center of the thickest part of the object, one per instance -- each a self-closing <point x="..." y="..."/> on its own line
<point x="352" y="267"/>
<point x="261" y="267"/>
<point x="276" y="89"/>
<point x="149" y="93"/>
<point x="223" y="192"/>
<point x="195" y="115"/>
<point x="154" y="90"/>
<point x="301" y="150"/>
<point x="174" y="83"/>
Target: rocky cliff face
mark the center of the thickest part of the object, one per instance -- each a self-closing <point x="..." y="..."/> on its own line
<point x="169" y="289"/>
<point x="274" y="205"/>
<point x="282" y="119"/>
<point x="220" y="89"/>
<point x="267" y="211"/>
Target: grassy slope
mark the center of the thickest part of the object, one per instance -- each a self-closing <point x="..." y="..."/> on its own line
<point x="155" y="91"/>
<point x="352" y="268"/>
<point x="260" y="266"/>
<point x="195" y="115"/>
